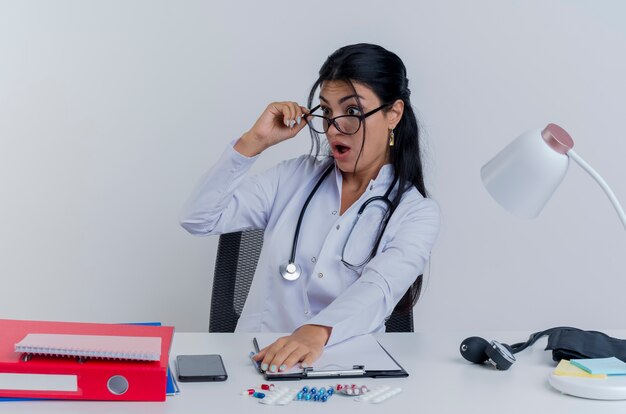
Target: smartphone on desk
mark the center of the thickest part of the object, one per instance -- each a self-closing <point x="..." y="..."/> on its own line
<point x="195" y="368"/>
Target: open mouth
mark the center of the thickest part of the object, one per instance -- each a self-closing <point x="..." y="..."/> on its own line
<point x="341" y="148"/>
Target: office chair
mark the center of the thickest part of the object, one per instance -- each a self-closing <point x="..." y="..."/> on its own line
<point x="237" y="257"/>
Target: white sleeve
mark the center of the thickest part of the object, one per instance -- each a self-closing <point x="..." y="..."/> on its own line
<point x="362" y="307"/>
<point x="225" y="201"/>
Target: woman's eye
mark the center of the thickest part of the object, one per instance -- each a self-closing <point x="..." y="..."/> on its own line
<point x="353" y="111"/>
<point x="325" y="111"/>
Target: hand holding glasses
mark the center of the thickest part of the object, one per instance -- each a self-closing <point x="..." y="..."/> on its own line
<point x="345" y="124"/>
<point x="278" y="122"/>
<point x="283" y="120"/>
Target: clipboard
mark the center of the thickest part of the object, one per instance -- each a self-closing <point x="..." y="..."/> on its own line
<point x="356" y="371"/>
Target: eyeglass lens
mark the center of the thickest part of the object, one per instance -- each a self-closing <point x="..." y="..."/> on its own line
<point x="345" y="124"/>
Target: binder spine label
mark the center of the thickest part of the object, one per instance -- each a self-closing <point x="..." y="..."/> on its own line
<point x="38" y="382"/>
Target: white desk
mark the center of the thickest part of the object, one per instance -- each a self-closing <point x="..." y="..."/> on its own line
<point x="440" y="381"/>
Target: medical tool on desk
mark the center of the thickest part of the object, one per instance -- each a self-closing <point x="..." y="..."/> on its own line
<point x="500" y="355"/>
<point x="291" y="270"/>
<point x="565" y="342"/>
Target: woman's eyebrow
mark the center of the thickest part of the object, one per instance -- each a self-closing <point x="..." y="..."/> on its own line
<point x="345" y="98"/>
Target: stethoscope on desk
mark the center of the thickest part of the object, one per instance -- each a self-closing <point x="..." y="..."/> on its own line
<point x="291" y="270"/>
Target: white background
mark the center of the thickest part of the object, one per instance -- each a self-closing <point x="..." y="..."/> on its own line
<point x="111" y="110"/>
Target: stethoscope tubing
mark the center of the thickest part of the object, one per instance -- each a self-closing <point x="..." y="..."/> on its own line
<point x="292" y="258"/>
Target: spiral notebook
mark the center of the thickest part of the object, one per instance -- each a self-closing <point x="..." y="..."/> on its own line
<point x="137" y="348"/>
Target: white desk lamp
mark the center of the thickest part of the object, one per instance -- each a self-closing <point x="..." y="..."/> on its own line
<point x="524" y="175"/>
<point x="522" y="178"/>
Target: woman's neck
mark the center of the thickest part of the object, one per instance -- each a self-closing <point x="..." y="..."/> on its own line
<point x="358" y="181"/>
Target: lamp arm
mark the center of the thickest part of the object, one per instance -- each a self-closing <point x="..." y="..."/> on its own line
<point x="620" y="211"/>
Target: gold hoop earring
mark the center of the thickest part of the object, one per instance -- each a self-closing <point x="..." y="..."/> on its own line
<point x="391" y="138"/>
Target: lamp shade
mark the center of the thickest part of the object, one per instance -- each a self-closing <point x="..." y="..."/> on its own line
<point x="524" y="175"/>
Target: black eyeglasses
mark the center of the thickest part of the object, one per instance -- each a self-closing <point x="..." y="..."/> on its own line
<point x="346" y="124"/>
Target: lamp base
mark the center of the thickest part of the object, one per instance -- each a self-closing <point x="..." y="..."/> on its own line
<point x="610" y="388"/>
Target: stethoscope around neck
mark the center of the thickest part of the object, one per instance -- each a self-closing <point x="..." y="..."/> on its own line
<point x="291" y="270"/>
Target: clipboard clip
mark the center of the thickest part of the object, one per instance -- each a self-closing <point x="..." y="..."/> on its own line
<point x="355" y="371"/>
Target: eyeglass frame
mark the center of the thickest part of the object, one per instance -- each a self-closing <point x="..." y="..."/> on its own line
<point x="333" y="121"/>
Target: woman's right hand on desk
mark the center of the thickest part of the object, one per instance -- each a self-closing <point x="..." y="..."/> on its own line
<point x="279" y="122"/>
<point x="304" y="345"/>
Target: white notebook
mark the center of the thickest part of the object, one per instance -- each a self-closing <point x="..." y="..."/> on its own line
<point x="139" y="348"/>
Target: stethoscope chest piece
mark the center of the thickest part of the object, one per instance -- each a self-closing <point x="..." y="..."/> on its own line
<point x="290" y="271"/>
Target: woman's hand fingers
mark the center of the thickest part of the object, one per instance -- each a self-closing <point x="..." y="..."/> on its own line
<point x="268" y="355"/>
<point x="309" y="359"/>
<point x="293" y="114"/>
<point x="305" y="344"/>
<point x="289" y="114"/>
<point x="304" y="111"/>
<point x="278" y="122"/>
<point x="292" y="359"/>
<point x="296" y="114"/>
<point x="280" y="358"/>
<point x="282" y="355"/>
<point x="273" y="353"/>
<point x="260" y="355"/>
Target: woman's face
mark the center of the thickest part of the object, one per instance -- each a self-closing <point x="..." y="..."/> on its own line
<point x="337" y="98"/>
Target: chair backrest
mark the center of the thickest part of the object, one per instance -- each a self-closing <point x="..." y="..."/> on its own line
<point x="237" y="257"/>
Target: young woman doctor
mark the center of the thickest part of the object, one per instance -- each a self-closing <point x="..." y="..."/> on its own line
<point x="347" y="234"/>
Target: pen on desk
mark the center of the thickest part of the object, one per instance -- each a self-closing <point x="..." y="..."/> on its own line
<point x="257" y="364"/>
